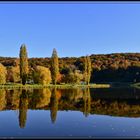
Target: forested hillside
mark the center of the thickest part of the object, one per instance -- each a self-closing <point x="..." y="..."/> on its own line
<point x="117" y="67"/>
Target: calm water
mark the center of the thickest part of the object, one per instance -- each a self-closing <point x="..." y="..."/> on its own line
<point x="70" y="113"/>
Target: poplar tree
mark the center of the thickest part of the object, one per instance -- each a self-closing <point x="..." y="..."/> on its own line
<point x="85" y="69"/>
<point x="54" y="67"/>
<point x="87" y="72"/>
<point x="23" y="64"/>
<point x="88" y="69"/>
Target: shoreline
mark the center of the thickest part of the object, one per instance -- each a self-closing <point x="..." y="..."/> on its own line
<point x="68" y="86"/>
<point x="36" y="86"/>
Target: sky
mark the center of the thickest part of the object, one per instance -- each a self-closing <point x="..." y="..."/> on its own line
<point x="74" y="28"/>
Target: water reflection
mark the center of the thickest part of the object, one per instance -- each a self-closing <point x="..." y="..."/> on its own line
<point x="2" y="99"/>
<point x="108" y="102"/>
<point x="87" y="101"/>
<point x="54" y="105"/>
<point x="23" y="108"/>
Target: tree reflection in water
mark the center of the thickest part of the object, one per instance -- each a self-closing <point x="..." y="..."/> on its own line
<point x="39" y="98"/>
<point x="75" y="99"/>
<point x="15" y="98"/>
<point x="54" y="105"/>
<point x="87" y="101"/>
<point x="23" y="108"/>
<point x="2" y="99"/>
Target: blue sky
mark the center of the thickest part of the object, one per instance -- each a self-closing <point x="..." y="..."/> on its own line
<point x="74" y="29"/>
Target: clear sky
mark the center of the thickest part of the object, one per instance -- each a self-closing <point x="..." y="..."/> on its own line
<point x="74" y="29"/>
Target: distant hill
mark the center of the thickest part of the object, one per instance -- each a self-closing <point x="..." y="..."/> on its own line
<point x="115" y="67"/>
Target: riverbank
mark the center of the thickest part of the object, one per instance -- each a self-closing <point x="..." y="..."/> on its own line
<point x="65" y="86"/>
<point x="36" y="86"/>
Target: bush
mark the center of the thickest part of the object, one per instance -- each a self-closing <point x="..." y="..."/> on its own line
<point x="41" y="75"/>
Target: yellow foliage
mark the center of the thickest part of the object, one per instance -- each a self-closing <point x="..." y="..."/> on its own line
<point x="42" y="75"/>
<point x="3" y="73"/>
<point x="15" y="73"/>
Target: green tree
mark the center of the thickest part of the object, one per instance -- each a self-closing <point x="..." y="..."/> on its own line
<point x="23" y="64"/>
<point x="87" y="71"/>
<point x="42" y="75"/>
<point x="3" y="73"/>
<point x="54" y="67"/>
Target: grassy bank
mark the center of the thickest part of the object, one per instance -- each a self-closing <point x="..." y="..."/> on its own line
<point x="66" y="86"/>
<point x="36" y="86"/>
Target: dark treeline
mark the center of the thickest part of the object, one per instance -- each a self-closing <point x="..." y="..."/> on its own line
<point x="117" y="67"/>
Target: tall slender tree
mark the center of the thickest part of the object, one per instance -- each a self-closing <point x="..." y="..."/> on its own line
<point x="54" y="67"/>
<point x="24" y="70"/>
<point x="87" y="71"/>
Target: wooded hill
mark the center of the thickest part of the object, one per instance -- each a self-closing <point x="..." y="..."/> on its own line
<point x="117" y="67"/>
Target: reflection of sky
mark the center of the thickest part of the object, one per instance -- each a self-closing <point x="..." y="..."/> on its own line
<point x="68" y="123"/>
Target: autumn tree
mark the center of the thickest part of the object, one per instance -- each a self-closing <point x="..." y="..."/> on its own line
<point x="23" y="64"/>
<point x="15" y="74"/>
<point x="42" y="75"/>
<point x="3" y="73"/>
<point x="87" y="70"/>
<point x="78" y="76"/>
<point x="54" y="67"/>
<point x="73" y="77"/>
<point x="15" y="71"/>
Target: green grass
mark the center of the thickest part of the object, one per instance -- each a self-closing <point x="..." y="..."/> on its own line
<point x="67" y="86"/>
<point x="14" y="86"/>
